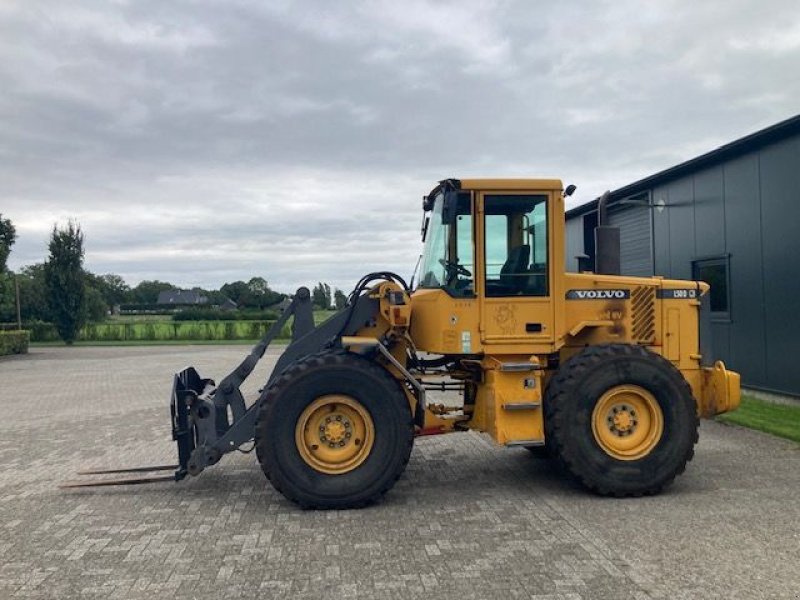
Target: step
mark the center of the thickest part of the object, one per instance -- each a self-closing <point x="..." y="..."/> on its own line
<point x="522" y="405"/>
<point x="525" y="443"/>
<point x="518" y="366"/>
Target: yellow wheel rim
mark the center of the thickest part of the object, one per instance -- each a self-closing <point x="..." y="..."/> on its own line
<point x="627" y="422"/>
<point x="334" y="435"/>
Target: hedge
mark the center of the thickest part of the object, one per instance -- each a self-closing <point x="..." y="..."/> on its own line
<point x="150" y="331"/>
<point x="14" y="342"/>
<point x="210" y="314"/>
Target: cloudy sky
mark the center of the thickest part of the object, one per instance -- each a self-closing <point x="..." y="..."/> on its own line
<point x="200" y="142"/>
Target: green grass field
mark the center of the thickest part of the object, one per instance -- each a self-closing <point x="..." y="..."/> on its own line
<point x="323" y="315"/>
<point x="777" y="419"/>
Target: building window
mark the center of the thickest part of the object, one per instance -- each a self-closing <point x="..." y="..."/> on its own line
<point x="714" y="271"/>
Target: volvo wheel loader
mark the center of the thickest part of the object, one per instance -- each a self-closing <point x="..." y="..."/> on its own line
<point x="608" y="373"/>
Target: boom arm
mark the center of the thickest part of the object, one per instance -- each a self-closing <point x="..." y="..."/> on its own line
<point x="200" y="424"/>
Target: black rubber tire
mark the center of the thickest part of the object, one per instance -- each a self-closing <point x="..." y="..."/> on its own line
<point x="297" y="387"/>
<point x="572" y="395"/>
<point x="541" y="452"/>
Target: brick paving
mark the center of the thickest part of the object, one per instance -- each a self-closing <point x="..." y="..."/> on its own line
<point x="467" y="520"/>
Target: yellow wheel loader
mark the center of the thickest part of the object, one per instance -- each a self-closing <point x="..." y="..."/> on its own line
<point x="606" y="373"/>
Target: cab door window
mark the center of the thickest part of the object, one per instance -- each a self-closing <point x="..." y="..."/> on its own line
<point x="515" y="246"/>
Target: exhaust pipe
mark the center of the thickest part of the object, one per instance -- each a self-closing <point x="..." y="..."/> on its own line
<point x="606" y="242"/>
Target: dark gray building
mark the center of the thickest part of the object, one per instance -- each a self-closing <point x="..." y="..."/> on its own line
<point x="730" y="217"/>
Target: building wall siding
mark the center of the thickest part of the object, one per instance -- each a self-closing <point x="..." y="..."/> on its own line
<point x="574" y="234"/>
<point x="635" y="239"/>
<point x="780" y="212"/>
<point x="747" y="347"/>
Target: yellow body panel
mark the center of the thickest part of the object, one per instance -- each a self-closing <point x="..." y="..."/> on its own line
<point x="509" y="403"/>
<point x="502" y="185"/>
<point x="442" y="324"/>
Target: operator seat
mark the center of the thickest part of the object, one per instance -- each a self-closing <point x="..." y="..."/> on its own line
<point x="514" y="272"/>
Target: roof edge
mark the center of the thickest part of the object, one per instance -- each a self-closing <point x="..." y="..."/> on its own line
<point x="773" y="133"/>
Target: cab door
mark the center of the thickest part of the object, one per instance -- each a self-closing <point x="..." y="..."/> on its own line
<point x="515" y="270"/>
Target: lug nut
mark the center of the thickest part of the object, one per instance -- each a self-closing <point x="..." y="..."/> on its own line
<point x="341" y="444"/>
<point x="338" y="417"/>
<point x="331" y="444"/>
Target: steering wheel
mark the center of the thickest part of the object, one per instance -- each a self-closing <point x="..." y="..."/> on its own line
<point x="455" y="268"/>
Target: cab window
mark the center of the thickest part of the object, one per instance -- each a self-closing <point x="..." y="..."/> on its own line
<point x="515" y="248"/>
<point x="448" y="259"/>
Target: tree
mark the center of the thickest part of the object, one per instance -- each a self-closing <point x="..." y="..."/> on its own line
<point x="321" y="296"/>
<point x="8" y="235"/>
<point x="339" y="299"/>
<point x="115" y="290"/>
<point x="147" y="291"/>
<point x="103" y="292"/>
<point x="8" y="305"/>
<point x="33" y="293"/>
<point x="256" y="293"/>
<point x="95" y="307"/>
<point x="238" y="291"/>
<point x="65" y="279"/>
<point x="215" y="297"/>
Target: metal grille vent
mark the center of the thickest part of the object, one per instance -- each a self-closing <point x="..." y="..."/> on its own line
<point x="643" y="314"/>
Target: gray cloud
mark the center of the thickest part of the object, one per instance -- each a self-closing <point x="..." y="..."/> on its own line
<point x="203" y="142"/>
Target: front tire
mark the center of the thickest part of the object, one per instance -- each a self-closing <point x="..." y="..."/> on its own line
<point x="621" y="420"/>
<point x="334" y="431"/>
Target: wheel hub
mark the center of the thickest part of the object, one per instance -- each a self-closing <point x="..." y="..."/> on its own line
<point x="627" y="422"/>
<point x="622" y="420"/>
<point x="335" y="430"/>
<point x="334" y="434"/>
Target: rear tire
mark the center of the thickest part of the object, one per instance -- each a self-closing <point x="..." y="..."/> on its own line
<point x="540" y="452"/>
<point x="591" y="424"/>
<point x="292" y="432"/>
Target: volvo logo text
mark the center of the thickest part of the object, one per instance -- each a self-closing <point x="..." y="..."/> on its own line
<point x="598" y="294"/>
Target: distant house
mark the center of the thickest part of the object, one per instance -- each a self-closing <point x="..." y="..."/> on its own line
<point x="228" y="305"/>
<point x="282" y="305"/>
<point x="181" y="297"/>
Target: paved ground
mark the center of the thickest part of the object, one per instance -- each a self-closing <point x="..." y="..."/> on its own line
<point x="468" y="520"/>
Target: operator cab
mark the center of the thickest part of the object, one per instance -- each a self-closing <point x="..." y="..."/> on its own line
<point x="514" y="243"/>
